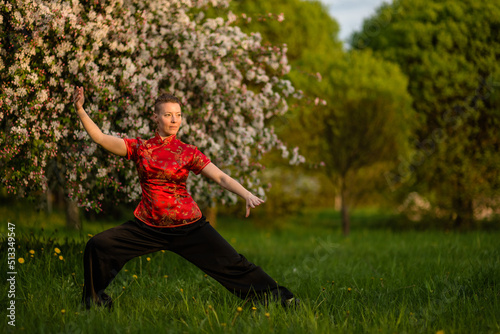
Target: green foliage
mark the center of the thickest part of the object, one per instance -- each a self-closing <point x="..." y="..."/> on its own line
<point x="367" y="117"/>
<point x="450" y="51"/>
<point x="306" y="28"/>
<point x="306" y="25"/>
<point x="366" y="123"/>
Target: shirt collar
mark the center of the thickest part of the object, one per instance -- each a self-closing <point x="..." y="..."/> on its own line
<point x="158" y="139"/>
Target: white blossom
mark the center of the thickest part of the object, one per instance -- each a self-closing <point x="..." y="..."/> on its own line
<point x="42" y="95"/>
<point x="121" y="57"/>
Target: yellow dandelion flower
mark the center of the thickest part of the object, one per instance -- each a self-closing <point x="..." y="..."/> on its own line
<point x="134" y="276"/>
<point x="126" y="270"/>
<point x="182" y="290"/>
<point x="63" y="311"/>
<point x="349" y="289"/>
<point x="123" y="288"/>
<point x="32" y="251"/>
<point x="57" y="250"/>
<point x="90" y="235"/>
<point x="254" y="308"/>
<point x="61" y="257"/>
<point x="32" y="255"/>
<point x="440" y="332"/>
<point x="166" y="276"/>
<point x="267" y="314"/>
<point x="163" y="251"/>
<point x="21" y="260"/>
<point x="239" y="309"/>
<point x="148" y="259"/>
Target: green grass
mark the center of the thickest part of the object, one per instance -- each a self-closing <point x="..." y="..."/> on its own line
<point x="374" y="281"/>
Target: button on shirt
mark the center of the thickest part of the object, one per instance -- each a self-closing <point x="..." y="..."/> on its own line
<point x="163" y="166"/>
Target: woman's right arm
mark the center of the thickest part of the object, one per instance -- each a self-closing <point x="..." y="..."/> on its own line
<point x="113" y="144"/>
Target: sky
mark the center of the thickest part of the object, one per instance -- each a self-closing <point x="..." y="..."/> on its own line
<point x="350" y="13"/>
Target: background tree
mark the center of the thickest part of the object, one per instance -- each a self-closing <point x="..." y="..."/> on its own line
<point x="304" y="27"/>
<point x="365" y="124"/>
<point x="124" y="53"/>
<point x="450" y="50"/>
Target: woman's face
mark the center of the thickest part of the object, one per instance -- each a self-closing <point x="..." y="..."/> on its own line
<point x="168" y="119"/>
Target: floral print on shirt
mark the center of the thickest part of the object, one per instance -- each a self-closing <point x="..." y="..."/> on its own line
<point x="163" y="166"/>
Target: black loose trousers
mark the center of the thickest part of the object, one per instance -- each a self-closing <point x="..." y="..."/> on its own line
<point x="107" y="252"/>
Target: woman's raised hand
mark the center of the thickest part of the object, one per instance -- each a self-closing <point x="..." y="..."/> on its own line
<point x="113" y="144"/>
<point x="78" y="98"/>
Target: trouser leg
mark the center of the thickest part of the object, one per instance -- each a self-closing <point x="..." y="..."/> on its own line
<point x="209" y="251"/>
<point x="107" y="252"/>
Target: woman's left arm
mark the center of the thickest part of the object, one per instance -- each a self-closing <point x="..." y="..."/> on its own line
<point x="213" y="172"/>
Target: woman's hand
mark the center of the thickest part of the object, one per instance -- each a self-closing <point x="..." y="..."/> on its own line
<point x="213" y="172"/>
<point x="78" y="98"/>
<point x="252" y="202"/>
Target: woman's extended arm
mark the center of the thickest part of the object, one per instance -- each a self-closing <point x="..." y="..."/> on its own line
<point x="113" y="144"/>
<point x="213" y="172"/>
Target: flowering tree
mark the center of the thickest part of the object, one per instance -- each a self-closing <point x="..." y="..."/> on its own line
<point x="124" y="52"/>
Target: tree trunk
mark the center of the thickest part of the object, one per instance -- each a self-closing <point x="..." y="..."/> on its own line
<point x="344" y="208"/>
<point x="72" y="215"/>
<point x="462" y="206"/>
<point x="49" y="198"/>
<point x="464" y="210"/>
<point x="211" y="215"/>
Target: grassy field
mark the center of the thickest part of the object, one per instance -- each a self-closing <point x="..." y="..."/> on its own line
<point x="374" y="281"/>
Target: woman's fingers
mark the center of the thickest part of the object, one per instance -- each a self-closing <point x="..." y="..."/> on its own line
<point x="78" y="95"/>
<point x="252" y="202"/>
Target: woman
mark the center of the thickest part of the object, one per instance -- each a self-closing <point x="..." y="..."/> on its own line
<point x="167" y="217"/>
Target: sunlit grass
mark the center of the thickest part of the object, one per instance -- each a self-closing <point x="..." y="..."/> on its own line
<point x="374" y="281"/>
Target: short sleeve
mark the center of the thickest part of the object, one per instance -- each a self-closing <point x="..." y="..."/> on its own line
<point x="198" y="161"/>
<point x="132" y="148"/>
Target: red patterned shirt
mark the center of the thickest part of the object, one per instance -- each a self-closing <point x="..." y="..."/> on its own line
<point x="163" y="166"/>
